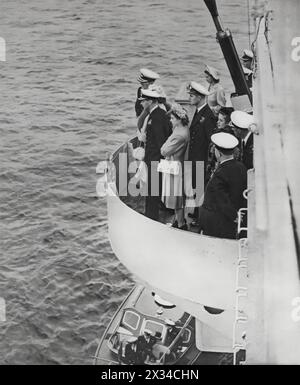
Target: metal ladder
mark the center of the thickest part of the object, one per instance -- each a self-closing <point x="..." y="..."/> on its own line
<point x="241" y="291"/>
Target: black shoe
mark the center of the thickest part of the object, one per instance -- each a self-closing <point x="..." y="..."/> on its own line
<point x="184" y="226"/>
<point x="175" y="224"/>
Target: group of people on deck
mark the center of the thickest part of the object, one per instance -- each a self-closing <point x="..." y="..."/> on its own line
<point x="216" y="143"/>
<point x="137" y="350"/>
<point x="149" y="348"/>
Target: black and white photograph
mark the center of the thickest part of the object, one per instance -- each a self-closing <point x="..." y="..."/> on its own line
<point x="149" y="185"/>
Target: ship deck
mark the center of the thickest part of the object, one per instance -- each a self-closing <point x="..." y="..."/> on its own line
<point x="165" y="216"/>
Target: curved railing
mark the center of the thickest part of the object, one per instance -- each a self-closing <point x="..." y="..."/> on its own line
<point x="193" y="267"/>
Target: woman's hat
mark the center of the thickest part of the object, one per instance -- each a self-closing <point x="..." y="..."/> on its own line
<point x="224" y="141"/>
<point x="241" y="119"/>
<point x="212" y="72"/>
<point x="149" y="94"/>
<point x="132" y="339"/>
<point x="195" y="88"/>
<point x="178" y="110"/>
<point x="149" y="332"/>
<point x="159" y="89"/>
<point x="147" y="76"/>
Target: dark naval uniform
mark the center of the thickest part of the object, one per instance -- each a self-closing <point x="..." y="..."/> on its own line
<point x="247" y="152"/>
<point x="145" y="347"/>
<point x="130" y="354"/>
<point x="223" y="198"/>
<point x="157" y="131"/>
<point x="201" y="129"/>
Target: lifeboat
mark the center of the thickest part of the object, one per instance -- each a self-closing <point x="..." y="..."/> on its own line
<point x="179" y="338"/>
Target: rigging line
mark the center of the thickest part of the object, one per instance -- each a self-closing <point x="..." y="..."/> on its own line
<point x="295" y="229"/>
<point x="256" y="33"/>
<point x="267" y="30"/>
<point x="249" y="37"/>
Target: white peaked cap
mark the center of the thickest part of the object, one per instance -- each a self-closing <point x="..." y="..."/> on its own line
<point x="198" y="88"/>
<point x="150" y="93"/>
<point x="147" y="331"/>
<point x="169" y="322"/>
<point x="132" y="339"/>
<point x="242" y="119"/>
<point x="147" y="75"/>
<point x="248" y="53"/>
<point x="224" y="140"/>
<point x="159" y="89"/>
<point x="213" y="72"/>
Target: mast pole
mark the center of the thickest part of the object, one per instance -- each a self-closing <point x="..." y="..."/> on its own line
<point x="225" y="40"/>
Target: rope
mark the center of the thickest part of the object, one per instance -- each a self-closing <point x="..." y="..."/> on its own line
<point x="249" y="37"/>
<point x="254" y="69"/>
<point x="266" y="33"/>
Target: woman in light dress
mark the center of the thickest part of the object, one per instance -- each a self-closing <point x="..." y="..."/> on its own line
<point x="174" y="149"/>
<point x="216" y="98"/>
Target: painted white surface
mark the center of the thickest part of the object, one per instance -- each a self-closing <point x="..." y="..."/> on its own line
<point x="274" y="337"/>
<point x="190" y="266"/>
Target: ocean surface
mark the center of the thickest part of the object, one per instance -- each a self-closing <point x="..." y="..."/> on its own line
<point x="68" y="88"/>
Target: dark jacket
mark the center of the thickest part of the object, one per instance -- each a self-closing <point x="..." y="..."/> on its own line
<point x="201" y="129"/>
<point x="157" y="131"/>
<point x="138" y="105"/>
<point x="223" y="198"/>
<point x="247" y="153"/>
<point x="127" y="355"/>
<point x="146" y="346"/>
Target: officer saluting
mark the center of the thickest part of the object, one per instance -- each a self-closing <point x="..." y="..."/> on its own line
<point x="223" y="196"/>
<point x="146" y="78"/>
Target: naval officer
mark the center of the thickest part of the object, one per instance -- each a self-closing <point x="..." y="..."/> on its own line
<point x="223" y="195"/>
<point x="242" y="122"/>
<point x="145" y="345"/>
<point x="201" y="128"/>
<point x="128" y="352"/>
<point x="146" y="78"/>
<point x="157" y="131"/>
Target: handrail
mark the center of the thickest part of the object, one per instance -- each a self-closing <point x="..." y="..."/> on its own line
<point x="105" y="360"/>
<point x="240" y="218"/>
<point x="241" y="291"/>
<point x="109" y="325"/>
